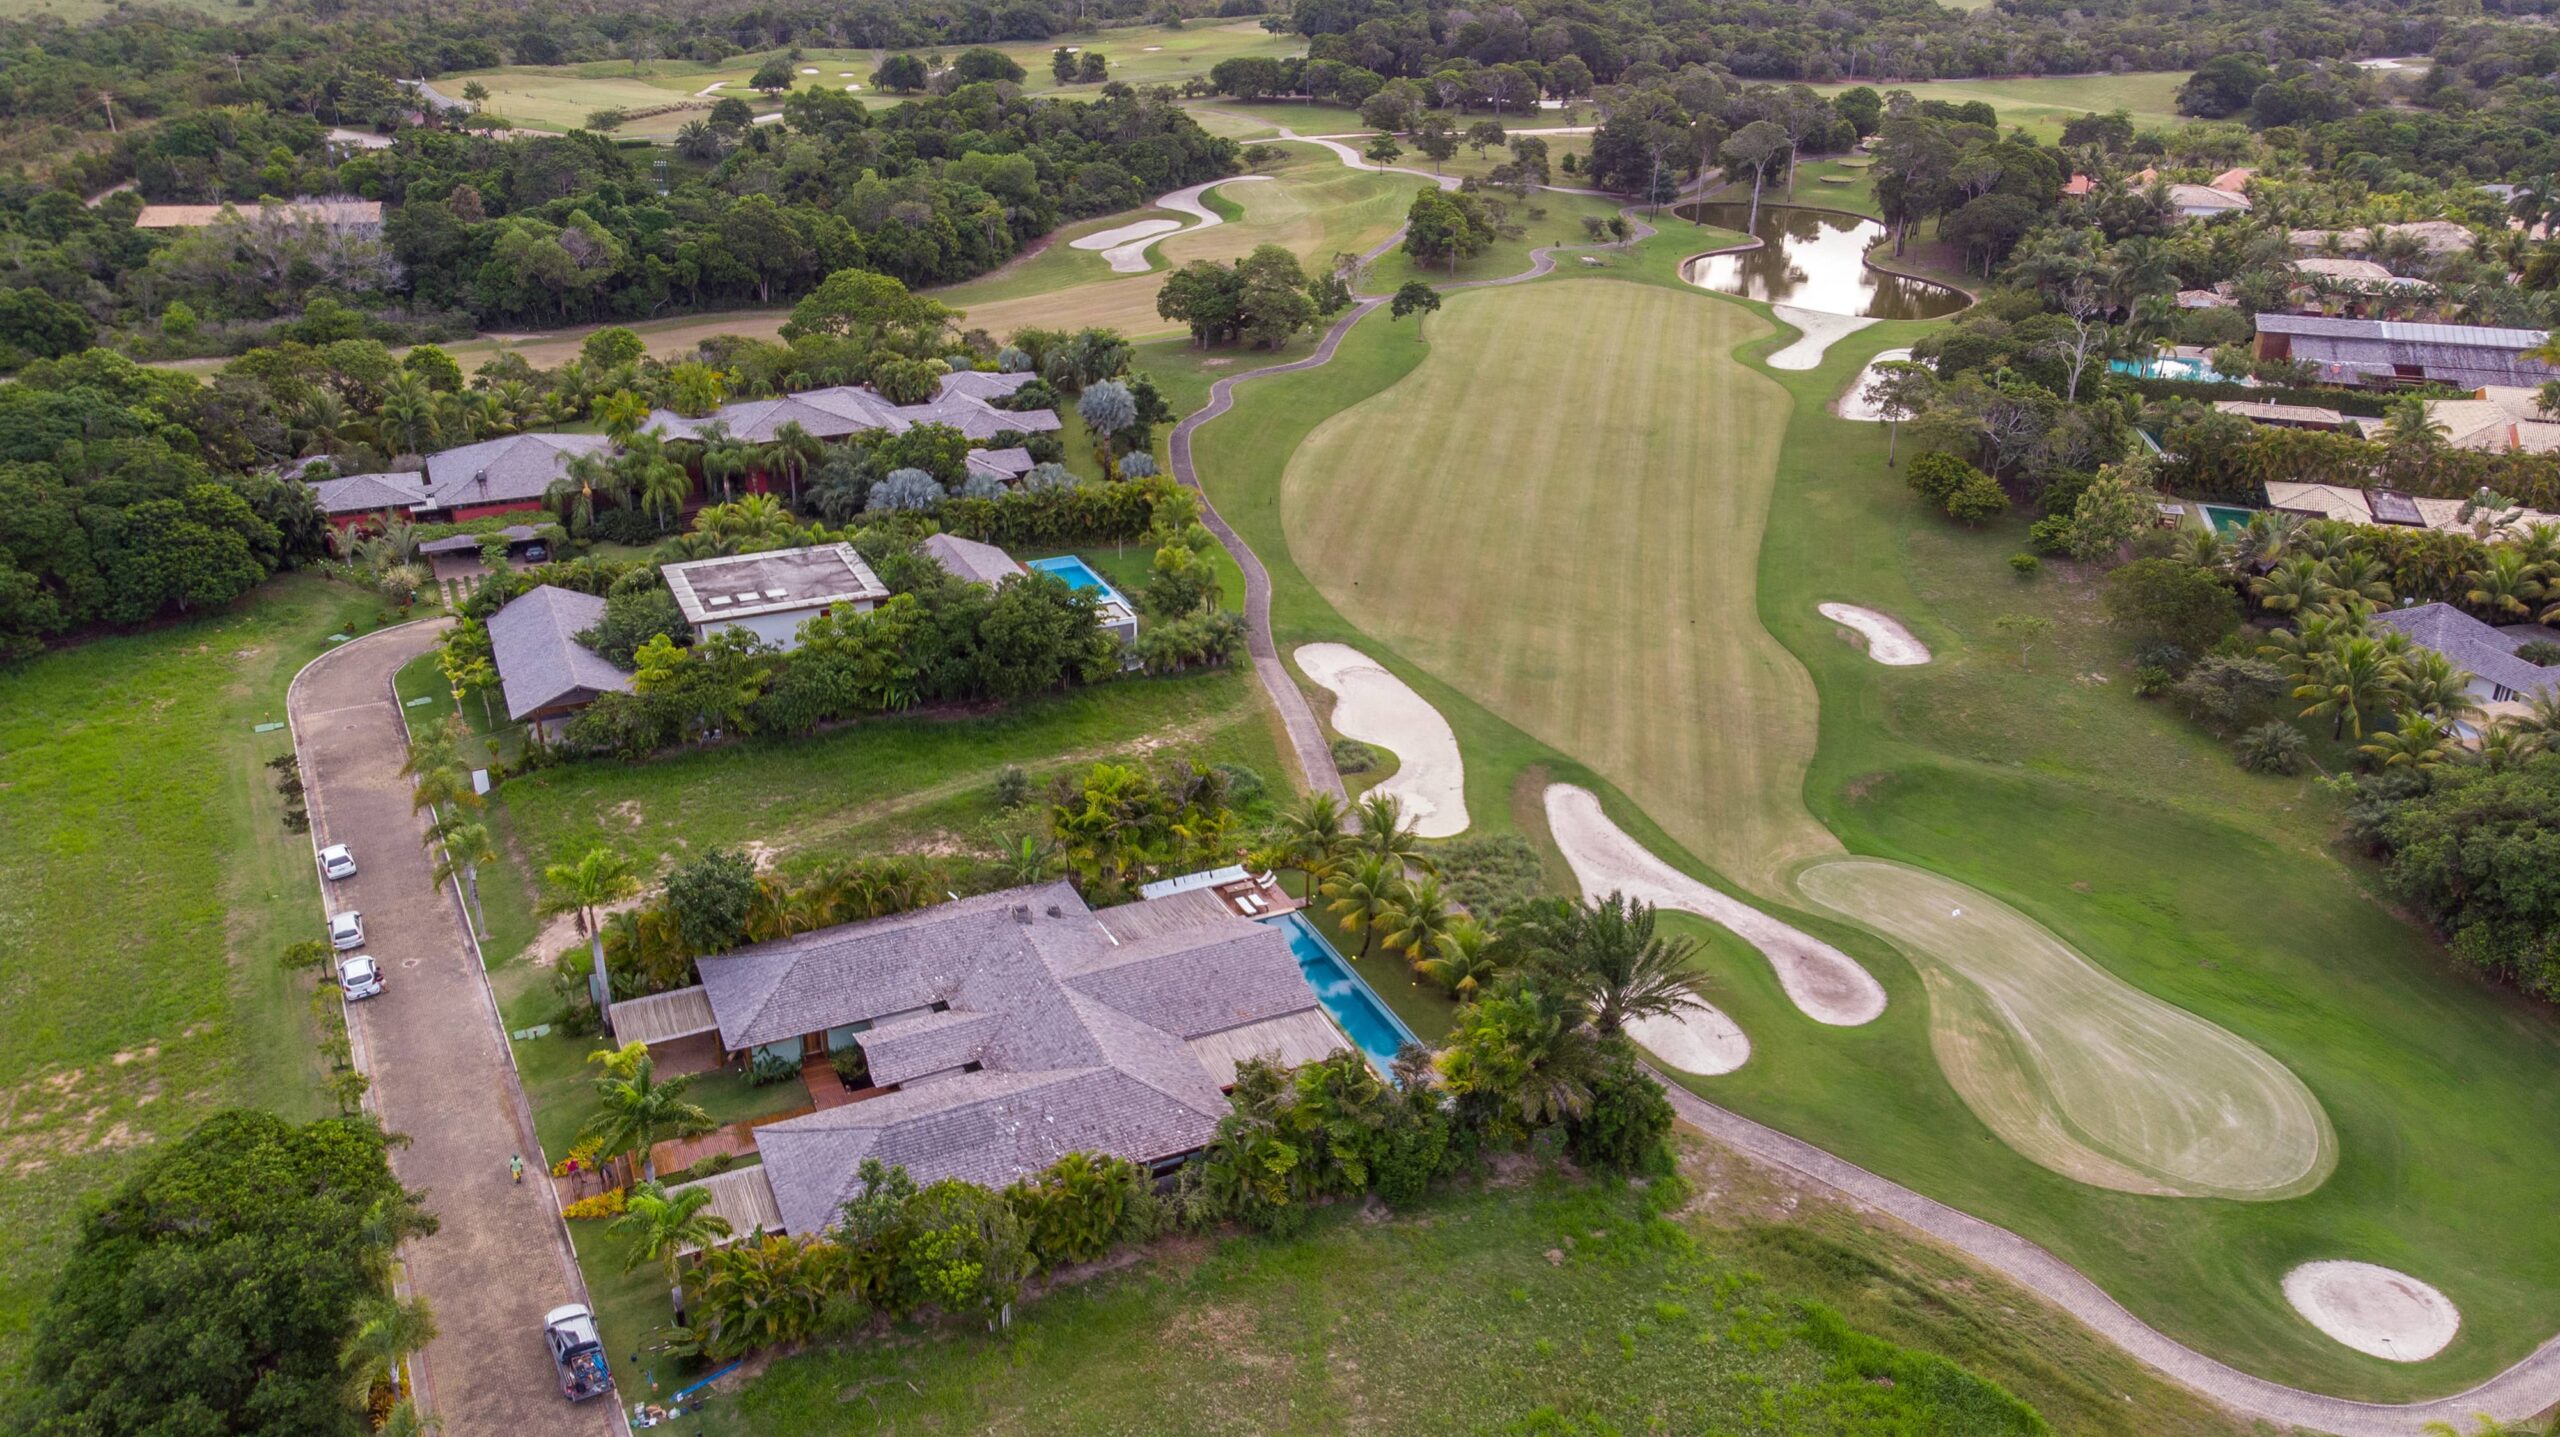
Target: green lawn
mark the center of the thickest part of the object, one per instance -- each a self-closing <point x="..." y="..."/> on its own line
<point x="2116" y="827"/>
<point x="1262" y="119"/>
<point x="2042" y="103"/>
<point x="1556" y="1310"/>
<point x="146" y="885"/>
<point x="1545" y="218"/>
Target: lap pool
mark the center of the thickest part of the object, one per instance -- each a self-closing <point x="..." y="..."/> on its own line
<point x="1352" y="1002"/>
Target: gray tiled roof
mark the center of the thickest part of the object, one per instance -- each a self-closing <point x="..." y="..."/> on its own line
<point x="846" y="410"/>
<point x="499" y="471"/>
<point x="970" y="560"/>
<point x="2487" y="651"/>
<point x="1010" y="463"/>
<point x="365" y="493"/>
<point x="533" y="641"/>
<point x="1080" y="1038"/>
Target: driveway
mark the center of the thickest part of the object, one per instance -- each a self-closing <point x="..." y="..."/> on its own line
<point x="441" y="1071"/>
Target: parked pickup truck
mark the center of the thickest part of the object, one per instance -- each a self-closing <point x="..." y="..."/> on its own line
<point x="576" y="1353"/>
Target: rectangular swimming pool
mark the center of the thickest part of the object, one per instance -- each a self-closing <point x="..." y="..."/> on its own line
<point x="1078" y="574"/>
<point x="2226" y="518"/>
<point x="1352" y="1002"/>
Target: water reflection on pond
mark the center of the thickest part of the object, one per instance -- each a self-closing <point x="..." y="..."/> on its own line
<point x="1812" y="259"/>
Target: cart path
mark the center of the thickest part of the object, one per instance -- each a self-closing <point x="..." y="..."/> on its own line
<point x="2524" y="1390"/>
<point x="442" y="1073"/>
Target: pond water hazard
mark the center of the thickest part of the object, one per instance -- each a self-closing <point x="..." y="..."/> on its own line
<point x="1812" y="259"/>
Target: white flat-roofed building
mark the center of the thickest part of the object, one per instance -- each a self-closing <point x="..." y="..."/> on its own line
<point x="772" y="594"/>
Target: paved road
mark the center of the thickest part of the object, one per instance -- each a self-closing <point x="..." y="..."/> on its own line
<point x="2524" y="1390"/>
<point x="440" y="1066"/>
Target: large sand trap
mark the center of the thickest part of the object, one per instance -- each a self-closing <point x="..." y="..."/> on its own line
<point x="1701" y="1040"/>
<point x="1829" y="985"/>
<point x="1821" y="331"/>
<point x="2076" y="1068"/>
<point x="1888" y="642"/>
<point x="1127" y="253"/>
<point x="1852" y="403"/>
<point x="1374" y="706"/>
<point x="2372" y="1309"/>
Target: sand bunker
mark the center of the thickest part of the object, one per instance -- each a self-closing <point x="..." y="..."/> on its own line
<point x="1123" y="234"/>
<point x="2076" y="1068"/>
<point x="1852" y="403"/>
<point x="1888" y="642"/>
<point x="2374" y="1310"/>
<point x="809" y="70"/>
<point x="1377" y="707"/>
<point x="1820" y="331"/>
<point x="1701" y="1040"/>
<point x="1827" y="984"/>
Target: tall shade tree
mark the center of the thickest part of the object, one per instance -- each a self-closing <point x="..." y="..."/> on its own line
<point x="1415" y="298"/>
<point x="599" y="879"/>
<point x="1756" y="147"/>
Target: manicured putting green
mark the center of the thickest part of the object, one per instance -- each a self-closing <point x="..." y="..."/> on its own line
<point x="2074" y="1067"/>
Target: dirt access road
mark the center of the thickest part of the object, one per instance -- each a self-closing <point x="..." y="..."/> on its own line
<point x="441" y="1072"/>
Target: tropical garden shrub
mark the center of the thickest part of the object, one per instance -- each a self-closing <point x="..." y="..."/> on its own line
<point x="1082" y="1206"/>
<point x="2162" y="601"/>
<point x="2474" y="848"/>
<point x="1490" y="874"/>
<point x="1352" y="756"/>
<point x="2273" y="747"/>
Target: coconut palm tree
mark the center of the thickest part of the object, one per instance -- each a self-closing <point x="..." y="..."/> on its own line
<point x="622" y="413"/>
<point x="600" y="878"/>
<point x="1312" y="837"/>
<point x="637" y="1111"/>
<point x="1386" y="832"/>
<point x="2351" y="579"/>
<point x="794" y="449"/>
<point x="1363" y="892"/>
<point x="2353" y="679"/>
<point x="2290" y="587"/>
<point x="572" y="496"/>
<point x="1466" y="962"/>
<point x="1617" y="967"/>
<point x="2547" y="352"/>
<point x="2422" y="742"/>
<point x="2505" y="586"/>
<point x="1420" y="916"/>
<point x="387" y="1331"/>
<point x="466" y="845"/>
<point x="724" y="456"/>
<point x="2431" y="685"/>
<point x="660" y="1225"/>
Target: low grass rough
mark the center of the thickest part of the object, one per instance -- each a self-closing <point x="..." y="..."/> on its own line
<point x="1563" y="1310"/>
<point x="147" y="883"/>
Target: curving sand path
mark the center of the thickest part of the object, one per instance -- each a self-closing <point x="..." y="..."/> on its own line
<point x="1700" y="1040"/>
<point x="1125" y="248"/>
<point x="1888" y="642"/>
<point x="1819" y="332"/>
<point x="2375" y="1310"/>
<point x="1828" y="985"/>
<point x="1852" y="403"/>
<point x="2076" y="1068"/>
<point x="1374" y="706"/>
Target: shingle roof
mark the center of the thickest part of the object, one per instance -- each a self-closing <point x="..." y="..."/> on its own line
<point x="847" y="409"/>
<point x="533" y="641"/>
<point x="1081" y="1040"/>
<point x="2487" y="651"/>
<point x="970" y="560"/>
<point x="1010" y="463"/>
<point x="365" y="493"/>
<point x="508" y="470"/>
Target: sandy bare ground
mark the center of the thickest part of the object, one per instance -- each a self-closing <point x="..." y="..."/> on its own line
<point x="1827" y="984"/>
<point x="2076" y="1068"/>
<point x="1852" y="403"/>
<point x="1700" y="1039"/>
<point x="1820" y="332"/>
<point x="1374" y="706"/>
<point x="1888" y="642"/>
<point x="1128" y="255"/>
<point x="2374" y="1310"/>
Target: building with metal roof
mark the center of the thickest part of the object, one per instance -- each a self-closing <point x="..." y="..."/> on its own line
<point x="2383" y="353"/>
<point x="773" y="593"/>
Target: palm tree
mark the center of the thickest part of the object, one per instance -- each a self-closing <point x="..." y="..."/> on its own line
<point x="389" y="1331"/>
<point x="661" y="1225"/>
<point x="2354" y="678"/>
<point x="622" y="412"/>
<point x="795" y="448"/>
<point x="1466" y="963"/>
<point x="406" y="1421"/>
<point x="599" y="878"/>
<point x="2352" y="579"/>
<point x="467" y="845"/>
<point x="2506" y="585"/>
<point x="2290" y="587"/>
<point x="2422" y="742"/>
<point x="637" y="1111"/>
<point x="2431" y="685"/>
<point x="1418" y="920"/>
<point x="572" y="496"/>
<point x="1364" y="891"/>
<point x="724" y="457"/>
<point x="2547" y="352"/>
<point x="1386" y="832"/>
<point x="1312" y="837"/>
<point x="1620" y="969"/>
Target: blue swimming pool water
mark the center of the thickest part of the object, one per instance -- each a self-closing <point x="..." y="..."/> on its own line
<point x="2194" y="371"/>
<point x="1352" y="1002"/>
<point x="2226" y="519"/>
<point x="1078" y="574"/>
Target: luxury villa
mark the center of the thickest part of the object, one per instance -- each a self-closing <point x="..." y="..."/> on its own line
<point x="998" y="1033"/>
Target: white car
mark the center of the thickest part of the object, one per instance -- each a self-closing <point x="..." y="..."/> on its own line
<point x="346" y="930"/>
<point x="359" y="976"/>
<point x="337" y="862"/>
